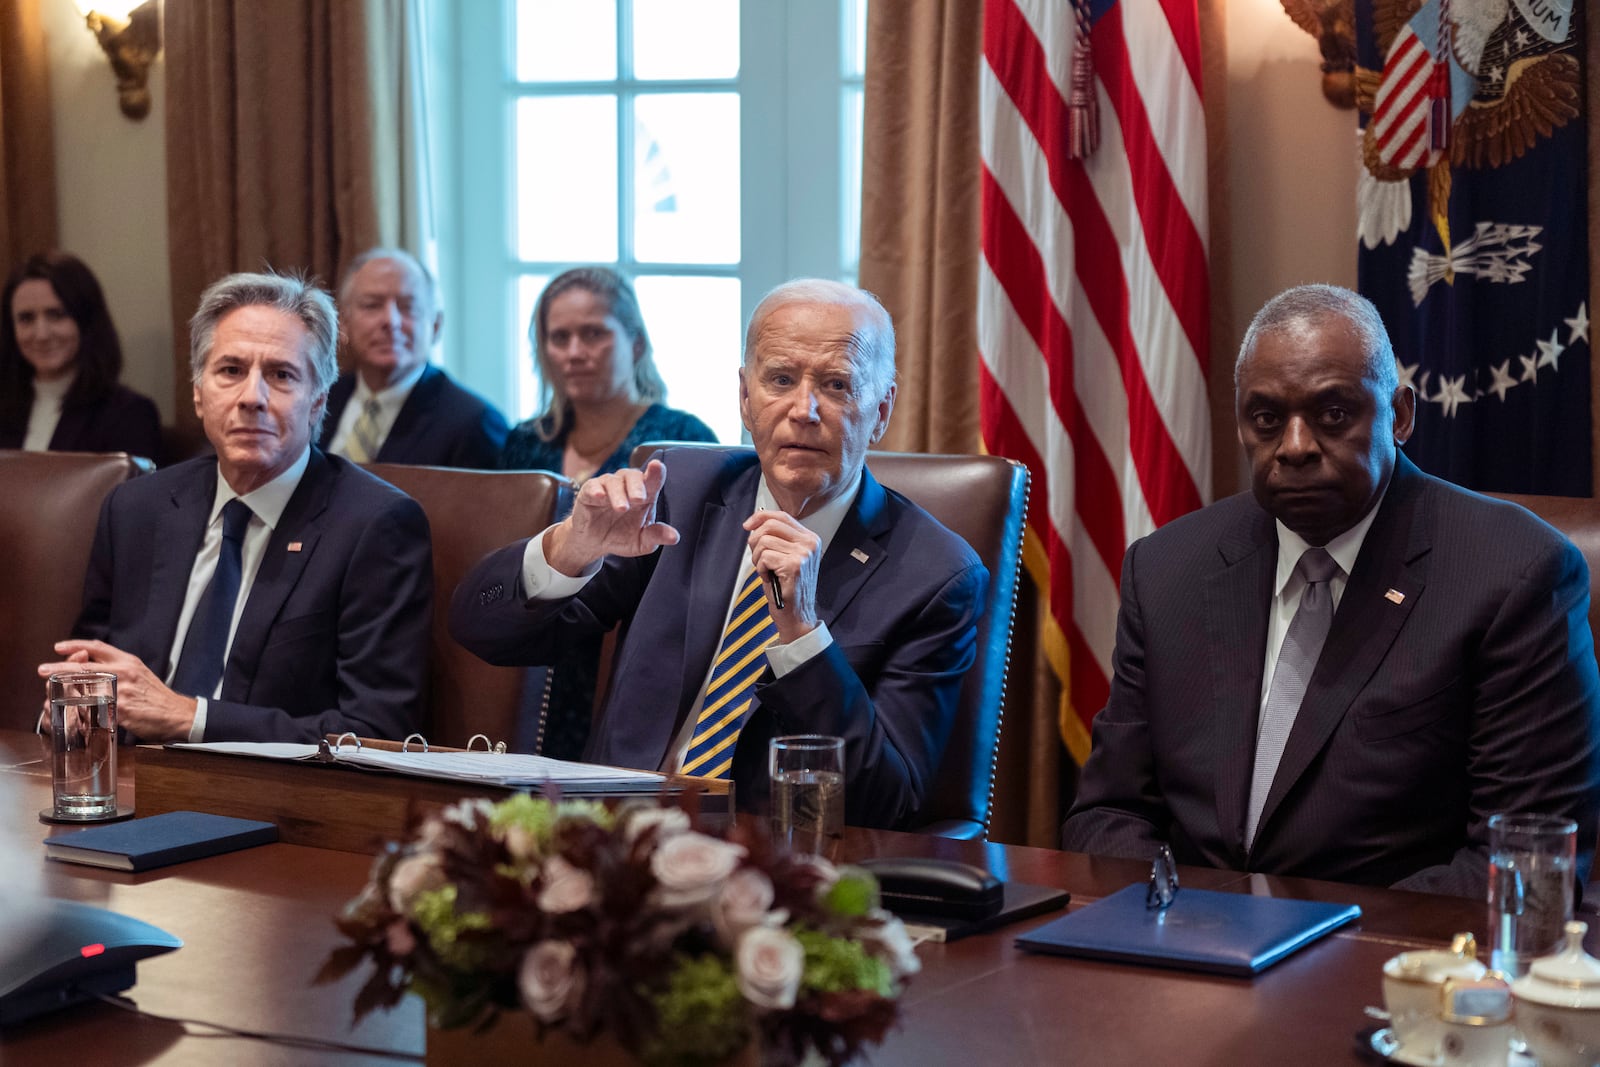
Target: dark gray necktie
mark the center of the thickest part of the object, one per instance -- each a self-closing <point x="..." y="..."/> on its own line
<point x="206" y="643"/>
<point x="1302" y="646"/>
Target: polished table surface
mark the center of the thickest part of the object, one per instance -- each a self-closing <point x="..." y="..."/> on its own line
<point x="256" y="927"/>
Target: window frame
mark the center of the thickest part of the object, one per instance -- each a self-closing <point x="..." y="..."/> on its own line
<point x="794" y="83"/>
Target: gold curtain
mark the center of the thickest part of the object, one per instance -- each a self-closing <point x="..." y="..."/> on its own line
<point x="27" y="153"/>
<point x="270" y="155"/>
<point x="919" y="212"/>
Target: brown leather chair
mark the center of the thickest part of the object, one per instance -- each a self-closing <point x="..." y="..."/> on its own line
<point x="472" y="513"/>
<point x="47" y="523"/>
<point x="985" y="500"/>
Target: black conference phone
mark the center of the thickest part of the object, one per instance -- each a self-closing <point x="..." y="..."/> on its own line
<point x="922" y="885"/>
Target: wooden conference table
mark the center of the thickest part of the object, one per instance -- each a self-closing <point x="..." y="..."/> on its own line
<point x="256" y="928"/>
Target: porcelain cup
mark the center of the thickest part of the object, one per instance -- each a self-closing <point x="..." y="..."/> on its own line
<point x="1413" y="993"/>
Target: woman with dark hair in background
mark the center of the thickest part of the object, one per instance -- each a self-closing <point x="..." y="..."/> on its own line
<point x="601" y="396"/>
<point x="59" y="364"/>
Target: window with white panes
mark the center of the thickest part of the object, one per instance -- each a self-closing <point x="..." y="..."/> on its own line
<point x="709" y="149"/>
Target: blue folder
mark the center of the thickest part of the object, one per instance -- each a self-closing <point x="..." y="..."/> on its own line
<point x="1219" y="933"/>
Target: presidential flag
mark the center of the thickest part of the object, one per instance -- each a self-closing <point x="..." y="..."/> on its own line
<point x="1473" y="232"/>
<point x="1093" y="316"/>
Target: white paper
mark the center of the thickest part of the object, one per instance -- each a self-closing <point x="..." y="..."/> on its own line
<point x="494" y="768"/>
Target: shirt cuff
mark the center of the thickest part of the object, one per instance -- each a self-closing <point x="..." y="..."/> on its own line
<point x="540" y="581"/>
<point x="197" y="732"/>
<point x="790" y="657"/>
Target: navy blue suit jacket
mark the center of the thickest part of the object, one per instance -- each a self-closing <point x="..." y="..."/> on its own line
<point x="1458" y="680"/>
<point x="441" y="424"/>
<point x="901" y="596"/>
<point x="335" y="633"/>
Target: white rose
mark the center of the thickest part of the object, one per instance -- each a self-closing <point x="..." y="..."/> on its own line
<point x="551" y="980"/>
<point x="413" y="875"/>
<point x="769" y="962"/>
<point x="521" y="844"/>
<point x="745" y="901"/>
<point x="466" y="813"/>
<point x="666" y="822"/>
<point x="689" y="865"/>
<point x="565" y="887"/>
<point x="890" y="942"/>
<point x="826" y="872"/>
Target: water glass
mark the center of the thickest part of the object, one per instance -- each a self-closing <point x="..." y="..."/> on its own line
<point x="807" y="791"/>
<point x="1531" y="861"/>
<point x="83" y="738"/>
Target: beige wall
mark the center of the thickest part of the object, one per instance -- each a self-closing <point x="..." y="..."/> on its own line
<point x="111" y="185"/>
<point x="1292" y="162"/>
<point x="1289" y="211"/>
<point x="1290" y="182"/>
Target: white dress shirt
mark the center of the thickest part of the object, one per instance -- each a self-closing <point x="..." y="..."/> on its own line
<point x="1290" y="585"/>
<point x="266" y="504"/>
<point x="45" y="414"/>
<point x="541" y="581"/>
<point x="391" y="399"/>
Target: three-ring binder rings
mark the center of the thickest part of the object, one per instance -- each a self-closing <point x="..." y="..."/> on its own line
<point x="484" y="766"/>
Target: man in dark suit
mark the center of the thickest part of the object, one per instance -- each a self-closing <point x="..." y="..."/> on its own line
<point x="870" y="605"/>
<point x="1454" y="675"/>
<point x="393" y="406"/>
<point x="270" y="592"/>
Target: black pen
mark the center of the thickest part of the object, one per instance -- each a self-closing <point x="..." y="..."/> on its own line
<point x="777" y="590"/>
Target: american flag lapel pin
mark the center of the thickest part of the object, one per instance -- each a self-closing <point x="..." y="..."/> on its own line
<point x="858" y="555"/>
<point x="1394" y="596"/>
<point x="295" y="546"/>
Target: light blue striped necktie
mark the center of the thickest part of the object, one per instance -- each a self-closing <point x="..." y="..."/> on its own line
<point x="730" y="692"/>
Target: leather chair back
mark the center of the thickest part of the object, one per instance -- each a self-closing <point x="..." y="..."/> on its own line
<point x="52" y="505"/>
<point x="472" y="513"/>
<point x="984" y="499"/>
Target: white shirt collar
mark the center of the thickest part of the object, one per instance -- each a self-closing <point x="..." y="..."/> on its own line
<point x="53" y="389"/>
<point x="1344" y="549"/>
<point x="825" y="521"/>
<point x="267" y="501"/>
<point x="390" y="397"/>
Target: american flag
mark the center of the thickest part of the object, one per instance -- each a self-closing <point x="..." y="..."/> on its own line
<point x="1093" y="302"/>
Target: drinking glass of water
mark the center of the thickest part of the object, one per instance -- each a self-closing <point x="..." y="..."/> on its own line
<point x="83" y="737"/>
<point x="1531" y="860"/>
<point x="807" y="791"/>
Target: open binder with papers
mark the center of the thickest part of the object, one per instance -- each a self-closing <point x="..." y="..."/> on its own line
<point x="509" y="769"/>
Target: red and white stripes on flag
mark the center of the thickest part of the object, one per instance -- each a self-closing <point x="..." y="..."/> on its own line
<point x="1093" y="304"/>
<point x="1401" y="111"/>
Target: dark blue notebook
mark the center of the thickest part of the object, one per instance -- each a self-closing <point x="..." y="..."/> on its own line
<point x="157" y="840"/>
<point x="1221" y="933"/>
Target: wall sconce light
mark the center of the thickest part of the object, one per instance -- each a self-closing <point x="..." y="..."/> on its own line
<point x="1333" y="24"/>
<point x="131" y="38"/>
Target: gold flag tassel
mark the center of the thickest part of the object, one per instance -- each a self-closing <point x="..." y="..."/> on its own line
<point x="1439" y="208"/>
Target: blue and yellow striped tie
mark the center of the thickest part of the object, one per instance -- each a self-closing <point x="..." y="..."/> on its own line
<point x="729" y="694"/>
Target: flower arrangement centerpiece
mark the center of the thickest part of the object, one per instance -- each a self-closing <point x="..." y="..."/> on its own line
<point x="681" y="946"/>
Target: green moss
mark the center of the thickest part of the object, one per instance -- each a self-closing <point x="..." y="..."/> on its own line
<point x="700" y="1015"/>
<point x="835" y="965"/>
<point x="434" y="911"/>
